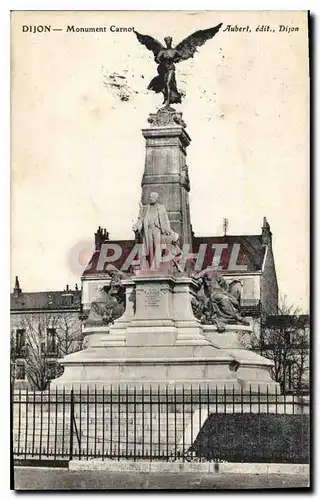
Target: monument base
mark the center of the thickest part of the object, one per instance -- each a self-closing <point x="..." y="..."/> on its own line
<point x="159" y="342"/>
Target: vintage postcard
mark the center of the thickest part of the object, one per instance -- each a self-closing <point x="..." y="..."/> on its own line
<point x="160" y="299"/>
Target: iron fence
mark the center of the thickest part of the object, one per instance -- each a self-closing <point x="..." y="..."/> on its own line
<point x="159" y="423"/>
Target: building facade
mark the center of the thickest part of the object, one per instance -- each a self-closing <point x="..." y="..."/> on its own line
<point x="44" y="327"/>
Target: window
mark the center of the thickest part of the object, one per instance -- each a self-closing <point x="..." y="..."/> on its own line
<point x="20" y="371"/>
<point x="20" y="342"/>
<point x="248" y="292"/>
<point x="51" y="370"/>
<point x="287" y="338"/>
<point x="290" y="376"/>
<point x="51" y="341"/>
<point x="67" y="299"/>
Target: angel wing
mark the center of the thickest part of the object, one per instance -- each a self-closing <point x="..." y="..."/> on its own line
<point x="188" y="47"/>
<point x="149" y="42"/>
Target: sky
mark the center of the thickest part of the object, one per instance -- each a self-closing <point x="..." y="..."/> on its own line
<point x="78" y="153"/>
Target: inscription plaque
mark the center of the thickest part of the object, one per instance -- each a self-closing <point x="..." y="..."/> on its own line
<point x="152" y="298"/>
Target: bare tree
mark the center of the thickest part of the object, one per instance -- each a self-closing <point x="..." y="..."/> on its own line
<point x="68" y="334"/>
<point x="13" y="355"/>
<point x="300" y="359"/>
<point x="283" y="339"/>
<point x="37" y="364"/>
<point x="48" y="336"/>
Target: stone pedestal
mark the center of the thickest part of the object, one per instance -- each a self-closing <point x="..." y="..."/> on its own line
<point x="159" y="342"/>
<point x="166" y="171"/>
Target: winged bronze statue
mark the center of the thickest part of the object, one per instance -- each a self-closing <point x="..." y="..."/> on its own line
<point x="167" y="56"/>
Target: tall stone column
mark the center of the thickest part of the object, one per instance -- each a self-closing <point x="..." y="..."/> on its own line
<point x="166" y="171"/>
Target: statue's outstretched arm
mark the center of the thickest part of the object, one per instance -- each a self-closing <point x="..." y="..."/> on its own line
<point x="158" y="57"/>
<point x="138" y="225"/>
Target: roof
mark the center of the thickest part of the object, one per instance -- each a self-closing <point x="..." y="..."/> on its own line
<point x="94" y="267"/>
<point x="243" y="250"/>
<point x="250" y="252"/>
<point x="287" y="321"/>
<point x="48" y="300"/>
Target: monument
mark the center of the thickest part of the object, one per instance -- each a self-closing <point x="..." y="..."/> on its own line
<point x="178" y="328"/>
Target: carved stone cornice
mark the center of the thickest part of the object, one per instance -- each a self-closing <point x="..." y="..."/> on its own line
<point x="166" y="124"/>
<point x="166" y="117"/>
<point x="166" y="132"/>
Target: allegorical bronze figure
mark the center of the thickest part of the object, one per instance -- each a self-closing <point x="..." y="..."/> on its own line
<point x="217" y="302"/>
<point x="165" y="57"/>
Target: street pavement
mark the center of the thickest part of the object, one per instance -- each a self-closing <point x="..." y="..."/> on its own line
<point x="32" y="478"/>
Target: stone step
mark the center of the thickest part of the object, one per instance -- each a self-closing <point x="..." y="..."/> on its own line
<point x="99" y="427"/>
<point x="279" y="408"/>
<point x="112" y="425"/>
<point x="124" y="430"/>
<point x="124" y="420"/>
<point x="107" y="418"/>
<point x="100" y="436"/>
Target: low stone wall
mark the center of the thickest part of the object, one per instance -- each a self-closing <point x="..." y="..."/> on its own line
<point x="180" y="467"/>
